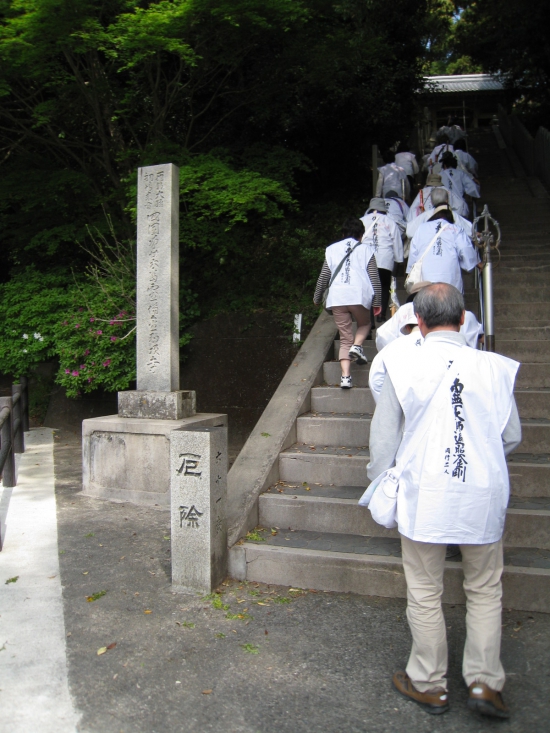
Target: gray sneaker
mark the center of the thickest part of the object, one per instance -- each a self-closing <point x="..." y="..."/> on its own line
<point x="345" y="382"/>
<point x="357" y="354"/>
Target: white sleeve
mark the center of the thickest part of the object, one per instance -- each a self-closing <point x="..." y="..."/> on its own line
<point x="467" y="254"/>
<point x="470" y="187"/>
<point x="379" y="183"/>
<point x="413" y="254"/>
<point x="397" y="241"/>
<point x="377" y="375"/>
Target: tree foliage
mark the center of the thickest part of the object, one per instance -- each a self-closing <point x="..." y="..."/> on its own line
<point x="511" y="38"/>
<point x="269" y="107"/>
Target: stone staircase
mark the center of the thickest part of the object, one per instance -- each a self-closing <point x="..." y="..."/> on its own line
<point x="314" y="535"/>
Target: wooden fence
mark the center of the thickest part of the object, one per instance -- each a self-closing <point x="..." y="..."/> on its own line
<point x="14" y="423"/>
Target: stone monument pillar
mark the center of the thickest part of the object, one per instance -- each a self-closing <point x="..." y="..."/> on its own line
<point x="126" y="457"/>
<point x="198" y="476"/>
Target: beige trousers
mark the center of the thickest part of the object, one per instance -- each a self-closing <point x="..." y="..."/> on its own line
<point x="424" y="565"/>
<point x="343" y="319"/>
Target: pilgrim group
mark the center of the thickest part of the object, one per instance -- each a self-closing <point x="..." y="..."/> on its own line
<point x="445" y="416"/>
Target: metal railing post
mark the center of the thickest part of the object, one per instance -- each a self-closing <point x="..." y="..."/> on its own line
<point x="7" y="457"/>
<point x="485" y="241"/>
<point x="25" y="404"/>
<point x="18" y="437"/>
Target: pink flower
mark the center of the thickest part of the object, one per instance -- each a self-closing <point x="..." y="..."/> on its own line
<point x="92" y="320"/>
<point x="112" y="323"/>
<point x="83" y="366"/>
<point x="67" y="371"/>
<point x="75" y="373"/>
<point x="106" y="363"/>
<point x="93" y="363"/>
<point x="89" y="379"/>
<point x="113" y="338"/>
<point x="65" y="323"/>
<point x="86" y="352"/>
<point x="99" y="333"/>
<point x="77" y="325"/>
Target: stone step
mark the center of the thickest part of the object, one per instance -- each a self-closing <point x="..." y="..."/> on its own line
<point x="335" y="509"/>
<point x="347" y="466"/>
<point x="532" y="403"/>
<point x="535" y="436"/>
<point x="334" y="399"/>
<point x="502" y="293"/>
<point x="533" y="375"/>
<point x="530" y="331"/>
<point x="533" y="352"/>
<point x="522" y="312"/>
<point x="335" y="429"/>
<point x="359" y="374"/>
<point x="347" y="563"/>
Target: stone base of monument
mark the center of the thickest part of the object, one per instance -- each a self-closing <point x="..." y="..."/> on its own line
<point x="158" y="405"/>
<point x="128" y="459"/>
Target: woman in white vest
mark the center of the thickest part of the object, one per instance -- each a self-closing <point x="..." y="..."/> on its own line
<point x="455" y="180"/>
<point x="466" y="162"/>
<point x="351" y="274"/>
<point x="440" y="196"/>
<point x="383" y="235"/>
<point x="444" y="249"/>
<point x="391" y="177"/>
<point x="444" y="423"/>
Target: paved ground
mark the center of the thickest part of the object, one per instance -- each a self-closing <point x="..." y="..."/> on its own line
<point x="256" y="659"/>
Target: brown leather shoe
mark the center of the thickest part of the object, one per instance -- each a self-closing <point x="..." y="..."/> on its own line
<point x="434" y="701"/>
<point x="486" y="701"/>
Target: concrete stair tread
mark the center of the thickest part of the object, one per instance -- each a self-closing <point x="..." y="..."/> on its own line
<point x="541" y="459"/>
<point x="323" y="491"/>
<point x="340" y="415"/>
<point x="313" y="491"/>
<point x="526" y="557"/>
<point x="327" y="450"/>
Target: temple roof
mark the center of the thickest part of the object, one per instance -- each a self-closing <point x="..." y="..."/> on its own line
<point x="463" y="83"/>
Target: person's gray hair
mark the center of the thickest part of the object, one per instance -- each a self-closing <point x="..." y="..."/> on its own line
<point x="439" y="304"/>
<point x="440" y="196"/>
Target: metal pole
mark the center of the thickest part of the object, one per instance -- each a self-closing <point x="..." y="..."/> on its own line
<point x="489" y="325"/>
<point x="374" y="169"/>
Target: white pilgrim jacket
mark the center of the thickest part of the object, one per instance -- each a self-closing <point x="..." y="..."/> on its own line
<point x="455" y="202"/>
<point x="390" y="334"/>
<point x="407" y="161"/>
<point x="389" y="179"/>
<point x="455" y="489"/>
<point x="449" y="253"/>
<point x="466" y="162"/>
<point x="459" y="182"/>
<point x="398" y="211"/>
<point x="383" y="235"/>
<point x="460" y="221"/>
<point x="352" y="285"/>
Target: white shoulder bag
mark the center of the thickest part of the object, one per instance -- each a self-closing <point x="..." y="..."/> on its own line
<point x="381" y="494"/>
<point x="415" y="275"/>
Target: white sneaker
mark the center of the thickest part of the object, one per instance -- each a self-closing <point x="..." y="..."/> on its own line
<point x="345" y="382"/>
<point x="357" y="354"/>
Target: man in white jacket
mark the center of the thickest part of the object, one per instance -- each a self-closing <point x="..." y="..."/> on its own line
<point x="454" y="488"/>
<point x="423" y="201"/>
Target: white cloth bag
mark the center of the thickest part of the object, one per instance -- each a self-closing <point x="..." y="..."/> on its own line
<point x="415" y="275"/>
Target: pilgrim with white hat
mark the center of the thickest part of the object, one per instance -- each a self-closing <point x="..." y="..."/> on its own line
<point x="443" y="248"/>
<point x="383" y="235"/>
<point x="439" y="196"/>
